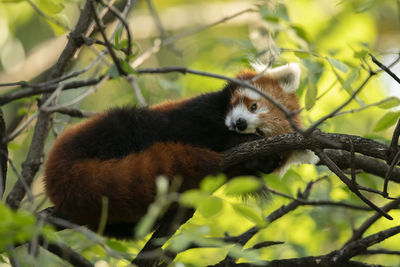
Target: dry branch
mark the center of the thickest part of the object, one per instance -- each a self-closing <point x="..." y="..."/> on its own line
<point x="33" y="160"/>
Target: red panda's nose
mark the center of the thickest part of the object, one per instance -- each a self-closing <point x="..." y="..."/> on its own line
<point x="241" y="124"/>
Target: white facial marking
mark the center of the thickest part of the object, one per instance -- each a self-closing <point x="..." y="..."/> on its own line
<point x="249" y="94"/>
<point x="241" y="112"/>
<point x="288" y="76"/>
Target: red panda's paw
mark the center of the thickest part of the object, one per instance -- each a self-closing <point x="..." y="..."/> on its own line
<point x="265" y="164"/>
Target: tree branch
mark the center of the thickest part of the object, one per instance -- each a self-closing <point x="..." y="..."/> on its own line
<point x="47" y="89"/>
<point x="33" y="160"/>
<point x="357" y="234"/>
<point x="384" y="68"/>
<point x="3" y="155"/>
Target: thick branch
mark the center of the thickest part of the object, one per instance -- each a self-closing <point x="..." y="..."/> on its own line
<point x="33" y="160"/>
<point x="357" y="247"/>
<point x="296" y="141"/>
<point x="367" y="164"/>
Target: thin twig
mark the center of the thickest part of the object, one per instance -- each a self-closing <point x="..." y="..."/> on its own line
<point x="22" y="127"/>
<point x="318" y="202"/>
<point x="352" y="186"/>
<point x="380" y="251"/>
<point x="22" y="181"/>
<point x="395" y="161"/>
<point x="158" y="44"/>
<point x="121" y="18"/>
<point x="79" y="98"/>
<point x="110" y="48"/>
<point x="394" y="144"/>
<point x="4" y="99"/>
<point x="358" y="233"/>
<point x="365" y="107"/>
<point x="136" y="89"/>
<point x="3" y="155"/>
<point x="336" y="110"/>
<point x="384" y="68"/>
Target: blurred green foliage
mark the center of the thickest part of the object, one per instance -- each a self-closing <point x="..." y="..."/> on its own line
<point x="330" y="39"/>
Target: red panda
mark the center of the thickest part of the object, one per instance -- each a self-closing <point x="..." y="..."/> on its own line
<point x="118" y="154"/>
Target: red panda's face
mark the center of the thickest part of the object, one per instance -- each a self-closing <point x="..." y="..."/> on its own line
<point x="250" y="113"/>
<point x="247" y="111"/>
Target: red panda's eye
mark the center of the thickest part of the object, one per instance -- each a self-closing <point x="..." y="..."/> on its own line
<point x="253" y="107"/>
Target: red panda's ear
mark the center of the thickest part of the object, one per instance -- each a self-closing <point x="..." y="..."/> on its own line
<point x="288" y="76"/>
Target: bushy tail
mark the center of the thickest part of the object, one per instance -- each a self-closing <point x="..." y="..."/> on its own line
<point x="77" y="187"/>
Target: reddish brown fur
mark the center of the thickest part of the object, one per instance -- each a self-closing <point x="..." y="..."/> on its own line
<point x="168" y="105"/>
<point x="87" y="181"/>
<point x="129" y="182"/>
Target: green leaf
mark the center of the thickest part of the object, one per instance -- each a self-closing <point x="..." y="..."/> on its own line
<point x="113" y="72"/>
<point x="301" y="32"/>
<point x="391" y="103"/>
<point x="123" y="44"/>
<point x="210" y="206"/>
<point x="117" y="245"/>
<point x="242" y="185"/>
<point x="192" y="198"/>
<point x="311" y="94"/>
<point x="365" y="6"/>
<point x="275" y="15"/>
<point x="117" y="37"/>
<point x="212" y="183"/>
<point x="51" y="6"/>
<point x="346" y="84"/>
<point x="386" y="121"/>
<point x="302" y="55"/>
<point x="338" y="64"/>
<point x="361" y="53"/>
<point x="250" y="213"/>
<point x="126" y="67"/>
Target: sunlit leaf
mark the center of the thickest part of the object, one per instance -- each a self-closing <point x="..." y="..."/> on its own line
<point x="311" y="94"/>
<point x="301" y="32"/>
<point x="126" y="67"/>
<point x="51" y="6"/>
<point x="116" y="245"/>
<point x="279" y="13"/>
<point x="338" y="64"/>
<point x="117" y="37"/>
<point x="366" y="5"/>
<point x="210" y="206"/>
<point x="386" y="121"/>
<point x="302" y="55"/>
<point x="353" y="75"/>
<point x="192" y="198"/>
<point x="242" y="185"/>
<point x="250" y="213"/>
<point x="361" y="53"/>
<point x="212" y="183"/>
<point x="391" y="103"/>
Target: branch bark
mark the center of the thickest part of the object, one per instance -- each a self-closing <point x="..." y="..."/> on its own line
<point x="33" y="161"/>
